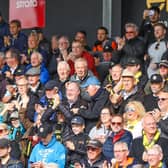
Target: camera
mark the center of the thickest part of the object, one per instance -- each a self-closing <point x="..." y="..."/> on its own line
<point x="151" y="12"/>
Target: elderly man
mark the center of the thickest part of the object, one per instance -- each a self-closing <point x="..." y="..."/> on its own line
<point x="127" y="91"/>
<point x="121" y="158"/>
<point x="48" y="150"/>
<point x="118" y="134"/>
<point x="154" y="157"/>
<point x="151" y="136"/>
<point x="73" y="101"/>
<point x="82" y="76"/>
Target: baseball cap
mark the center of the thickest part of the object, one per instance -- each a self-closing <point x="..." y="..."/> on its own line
<point x="156" y="78"/>
<point x="19" y="72"/>
<point x="94" y="143"/>
<point x="33" y="71"/>
<point x="91" y="81"/>
<point x="51" y="84"/>
<point x="164" y="63"/>
<point x="127" y="73"/>
<point x="4" y="143"/>
<point x="132" y="61"/>
<point x="14" y="114"/>
<point x="107" y="48"/>
<point x="78" y="120"/>
<point x="44" y="130"/>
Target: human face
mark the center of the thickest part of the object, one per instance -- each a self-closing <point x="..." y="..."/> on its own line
<point x="34" y="60"/>
<point x="107" y="56"/>
<point x="163" y="71"/>
<point x="159" y="32"/>
<point x="11" y="61"/>
<point x="50" y="93"/>
<point x="149" y="125"/>
<point x="81" y="69"/>
<point x="154" y="157"/>
<point x="93" y="153"/>
<point x="3" y="132"/>
<point x="32" y="42"/>
<point x="77" y="49"/>
<point x="22" y="88"/>
<point x="63" y="43"/>
<point x="77" y="129"/>
<point x="130" y="33"/>
<point x="101" y="35"/>
<point x="33" y="80"/>
<point x="131" y="113"/>
<point x="133" y="68"/>
<point x="91" y="89"/>
<point x="81" y="37"/>
<point x="14" y="30"/>
<point x="154" y="18"/>
<point x="72" y="92"/>
<point x="63" y="72"/>
<point x="120" y="153"/>
<point x="4" y="152"/>
<point x="128" y="83"/>
<point x="163" y="101"/>
<point x="54" y="42"/>
<point x="15" y="122"/>
<point x="156" y="87"/>
<point x="47" y="139"/>
<point x="116" y="124"/>
<point x="116" y="73"/>
<point x="105" y="116"/>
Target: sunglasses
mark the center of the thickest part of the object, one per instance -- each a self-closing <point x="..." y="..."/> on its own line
<point x="122" y="150"/>
<point x="116" y="123"/>
<point x="129" y="32"/>
<point x="129" y="109"/>
<point x="91" y="149"/>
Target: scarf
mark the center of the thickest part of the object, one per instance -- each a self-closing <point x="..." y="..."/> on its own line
<point x="118" y="136"/>
<point x="128" y="162"/>
<point x="148" y="144"/>
<point x="159" y="166"/>
<point x="137" y="76"/>
<point x="131" y="125"/>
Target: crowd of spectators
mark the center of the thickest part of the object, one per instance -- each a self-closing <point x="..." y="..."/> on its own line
<point x="65" y="104"/>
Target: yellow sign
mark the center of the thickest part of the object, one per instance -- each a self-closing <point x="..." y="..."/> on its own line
<point x="163" y="3"/>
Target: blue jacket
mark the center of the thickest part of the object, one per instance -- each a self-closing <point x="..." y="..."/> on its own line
<point x="109" y="145"/>
<point x="54" y="152"/>
<point x="19" y="43"/>
<point x="44" y="74"/>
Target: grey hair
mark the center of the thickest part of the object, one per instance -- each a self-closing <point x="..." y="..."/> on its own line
<point x="40" y="57"/>
<point x="122" y="143"/>
<point x="65" y="64"/>
<point x="133" y="25"/>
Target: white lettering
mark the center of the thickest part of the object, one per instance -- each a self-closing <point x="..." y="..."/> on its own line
<point x="26" y="3"/>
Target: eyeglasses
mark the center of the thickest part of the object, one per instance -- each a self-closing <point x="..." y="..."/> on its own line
<point x="130" y="109"/>
<point x="116" y="123"/>
<point x="91" y="149"/>
<point x="162" y="99"/>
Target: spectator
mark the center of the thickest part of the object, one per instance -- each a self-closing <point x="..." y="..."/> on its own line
<point x="147" y="27"/>
<point x="118" y="134"/>
<point x="82" y="76"/>
<point x="102" y="38"/>
<point x="150" y="137"/>
<point x="6" y="159"/>
<point x="33" y="78"/>
<point x="103" y="127"/>
<point x="134" y="112"/>
<point x="156" y="86"/>
<point x="121" y="157"/>
<point x="95" y="157"/>
<point x="48" y="150"/>
<point x="157" y="48"/>
<point x="73" y="101"/>
<point x="155" y="156"/>
<point x="16" y="39"/>
<point x="36" y="60"/>
<point x="128" y="91"/>
<point x="129" y="46"/>
<point x="79" y="52"/>
<point x="54" y="57"/>
<point x="99" y="99"/>
<point x="81" y="35"/>
<point x="76" y="143"/>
